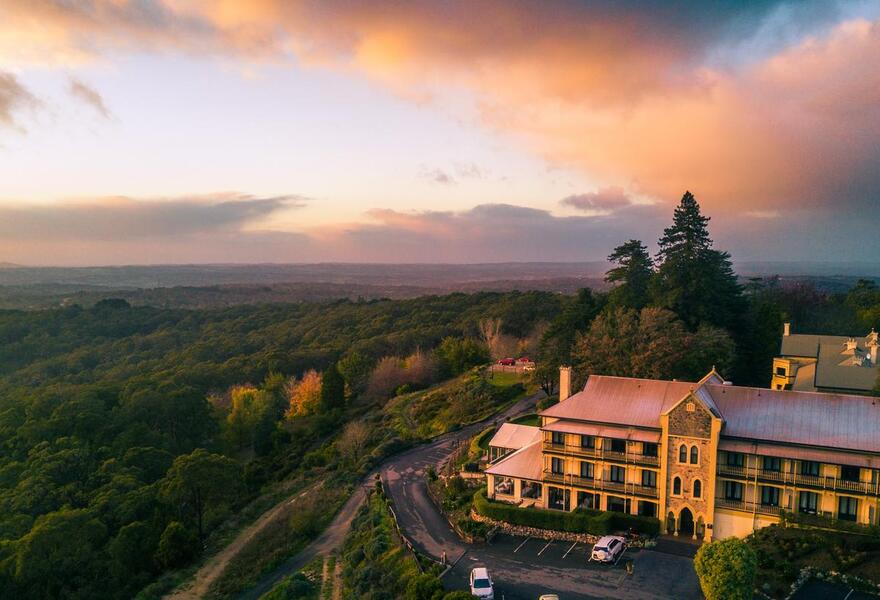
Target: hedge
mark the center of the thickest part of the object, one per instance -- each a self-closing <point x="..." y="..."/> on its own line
<point x="579" y="521"/>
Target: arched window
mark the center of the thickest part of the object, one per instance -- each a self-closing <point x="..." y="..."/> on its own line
<point x="698" y="489"/>
<point x="676" y="486"/>
<point x="695" y="455"/>
<point x="683" y="454"/>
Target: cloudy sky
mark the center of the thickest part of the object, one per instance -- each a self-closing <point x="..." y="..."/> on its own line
<point x="171" y="131"/>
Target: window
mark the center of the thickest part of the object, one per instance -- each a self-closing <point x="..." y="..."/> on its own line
<point x="616" y="504"/>
<point x="647" y="509"/>
<point x="848" y="473"/>
<point x="649" y="449"/>
<point x="698" y="489"/>
<point x="557" y="438"/>
<point x="683" y="454"/>
<point x="588" y="441"/>
<point x="695" y="455"/>
<point x="733" y="490"/>
<point x="649" y="478"/>
<point x="618" y="474"/>
<point x="556" y="498"/>
<point x="587" y="500"/>
<point x="772" y="463"/>
<point x="810" y="467"/>
<point x="808" y="503"/>
<point x="557" y="466"/>
<point x="780" y="371"/>
<point x="618" y="446"/>
<point x="587" y="470"/>
<point x="847" y="508"/>
<point x="676" y="487"/>
<point x="769" y="495"/>
<point x="735" y="459"/>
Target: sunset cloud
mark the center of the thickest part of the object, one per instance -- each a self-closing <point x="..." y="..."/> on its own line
<point x="13" y="97"/>
<point x="768" y="111"/>
<point x="122" y="218"/>
<point x="90" y="96"/>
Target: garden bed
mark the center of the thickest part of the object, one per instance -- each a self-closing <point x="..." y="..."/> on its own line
<point x="578" y="521"/>
<point x="783" y="552"/>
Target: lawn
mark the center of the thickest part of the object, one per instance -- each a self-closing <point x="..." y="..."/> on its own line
<point x="532" y="420"/>
<point x="784" y="551"/>
<point x="503" y="379"/>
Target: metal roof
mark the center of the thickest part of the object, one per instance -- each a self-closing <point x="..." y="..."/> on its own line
<point x="626" y="433"/>
<point x="836" y="421"/>
<point x="838" y="457"/>
<point x="830" y="353"/>
<point x="622" y="400"/>
<point x="525" y="463"/>
<point x="809" y="418"/>
<point x="514" y="437"/>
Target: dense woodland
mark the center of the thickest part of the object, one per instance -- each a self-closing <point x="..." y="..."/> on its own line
<point x="130" y="434"/>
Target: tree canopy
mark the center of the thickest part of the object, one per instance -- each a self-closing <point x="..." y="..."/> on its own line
<point x="727" y="569"/>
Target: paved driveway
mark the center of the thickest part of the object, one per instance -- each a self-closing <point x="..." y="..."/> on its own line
<point x="524" y="568"/>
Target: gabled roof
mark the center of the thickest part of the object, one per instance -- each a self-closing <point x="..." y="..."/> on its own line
<point x="525" y="463"/>
<point x="622" y="400"/>
<point x="514" y="437"/>
<point x="833" y="370"/>
<point x="837" y="421"/>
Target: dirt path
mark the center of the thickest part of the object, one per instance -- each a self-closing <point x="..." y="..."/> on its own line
<point x="337" y="580"/>
<point x="216" y="564"/>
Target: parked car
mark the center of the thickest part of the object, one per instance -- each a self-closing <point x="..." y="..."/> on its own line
<point x="507" y="362"/>
<point x="608" y="549"/>
<point x="481" y="584"/>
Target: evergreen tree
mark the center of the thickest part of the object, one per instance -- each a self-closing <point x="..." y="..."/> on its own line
<point x="632" y="275"/>
<point x="693" y="279"/>
<point x="332" y="389"/>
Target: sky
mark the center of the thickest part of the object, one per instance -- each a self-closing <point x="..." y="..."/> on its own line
<point x="194" y="131"/>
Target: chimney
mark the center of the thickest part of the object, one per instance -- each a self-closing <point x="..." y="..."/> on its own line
<point x="564" y="383"/>
<point x="786" y="329"/>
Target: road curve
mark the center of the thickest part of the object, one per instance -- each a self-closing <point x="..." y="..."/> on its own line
<point x="404" y="474"/>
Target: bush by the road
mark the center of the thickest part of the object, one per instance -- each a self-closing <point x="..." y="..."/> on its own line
<point x="727" y="569"/>
<point x="578" y="521"/>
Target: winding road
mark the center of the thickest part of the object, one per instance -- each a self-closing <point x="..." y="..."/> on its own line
<point x="404" y="474"/>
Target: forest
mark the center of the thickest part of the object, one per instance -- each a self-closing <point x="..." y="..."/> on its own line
<point x="132" y="436"/>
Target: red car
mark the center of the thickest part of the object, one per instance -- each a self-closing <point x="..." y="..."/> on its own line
<point x="507" y="362"/>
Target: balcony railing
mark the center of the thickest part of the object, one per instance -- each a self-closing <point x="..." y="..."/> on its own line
<point x="602" y="485"/>
<point x="797" y="479"/>
<point x="742" y="505"/>
<point x="599" y="454"/>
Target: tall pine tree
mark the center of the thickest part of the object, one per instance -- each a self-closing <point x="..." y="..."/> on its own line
<point x="693" y="279"/>
<point x="632" y="275"/>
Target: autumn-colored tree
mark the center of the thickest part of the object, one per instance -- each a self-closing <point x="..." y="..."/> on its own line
<point x="420" y="368"/>
<point x="304" y="396"/>
<point x="353" y="440"/>
<point x="490" y="331"/>
<point x="388" y="375"/>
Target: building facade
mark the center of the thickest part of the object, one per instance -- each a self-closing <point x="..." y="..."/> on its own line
<point x="709" y="459"/>
<point x="826" y="363"/>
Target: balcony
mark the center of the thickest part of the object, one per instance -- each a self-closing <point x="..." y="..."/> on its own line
<point x="797" y="479"/>
<point x="752" y="507"/>
<point x="597" y="454"/>
<point x="601" y="485"/>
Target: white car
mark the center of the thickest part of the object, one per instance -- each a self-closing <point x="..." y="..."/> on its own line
<point x="548" y="597"/>
<point x="481" y="584"/>
<point x="608" y="549"/>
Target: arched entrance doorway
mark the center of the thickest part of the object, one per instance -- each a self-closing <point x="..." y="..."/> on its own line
<point x="686" y="522"/>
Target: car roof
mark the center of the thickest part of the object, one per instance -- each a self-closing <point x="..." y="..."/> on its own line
<point x="607" y="539"/>
<point x="480" y="572"/>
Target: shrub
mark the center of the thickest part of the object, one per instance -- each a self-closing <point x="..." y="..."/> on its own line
<point x="727" y="569"/>
<point x="579" y="521"/>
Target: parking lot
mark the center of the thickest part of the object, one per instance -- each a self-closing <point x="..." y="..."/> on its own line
<point x="525" y="568"/>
